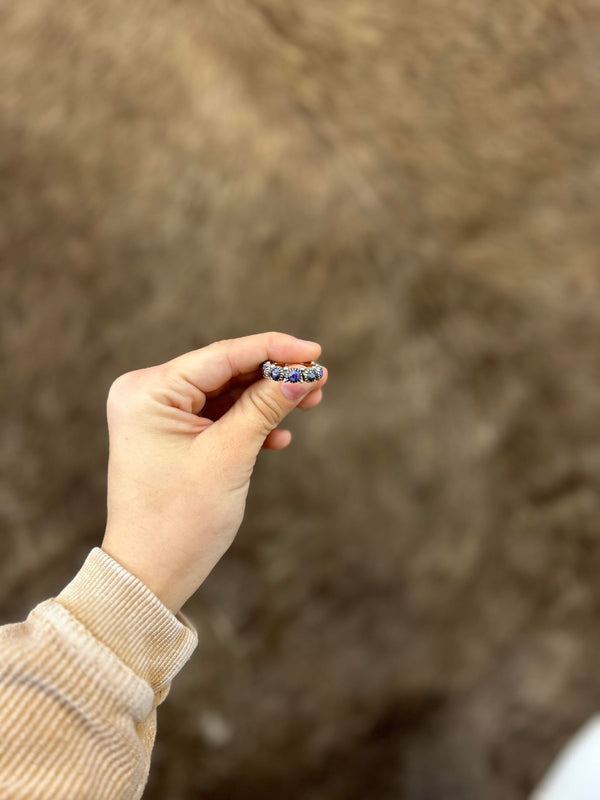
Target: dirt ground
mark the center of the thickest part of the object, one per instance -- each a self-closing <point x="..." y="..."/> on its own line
<point x="411" y="609"/>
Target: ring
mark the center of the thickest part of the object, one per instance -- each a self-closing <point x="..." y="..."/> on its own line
<point x="307" y="372"/>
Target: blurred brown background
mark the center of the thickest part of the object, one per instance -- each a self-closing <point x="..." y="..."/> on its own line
<point x="411" y="609"/>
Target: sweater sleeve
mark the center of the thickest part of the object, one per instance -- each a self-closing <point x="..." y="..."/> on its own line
<point x="80" y="680"/>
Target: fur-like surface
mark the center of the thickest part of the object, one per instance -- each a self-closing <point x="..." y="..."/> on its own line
<point x="411" y="609"/>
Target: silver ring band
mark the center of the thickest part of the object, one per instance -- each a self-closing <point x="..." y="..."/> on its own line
<point x="307" y="372"/>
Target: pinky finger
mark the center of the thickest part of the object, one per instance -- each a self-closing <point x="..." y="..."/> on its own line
<point x="277" y="439"/>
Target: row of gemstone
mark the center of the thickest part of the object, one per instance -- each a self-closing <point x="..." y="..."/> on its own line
<point x="292" y="374"/>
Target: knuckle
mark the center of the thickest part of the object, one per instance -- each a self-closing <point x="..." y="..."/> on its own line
<point x="221" y="344"/>
<point x="221" y="349"/>
<point x="119" y="389"/>
<point x="125" y="389"/>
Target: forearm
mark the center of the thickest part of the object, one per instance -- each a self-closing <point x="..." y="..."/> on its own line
<point x="80" y="681"/>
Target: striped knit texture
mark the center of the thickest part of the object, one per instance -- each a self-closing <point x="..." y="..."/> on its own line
<point x="80" y="680"/>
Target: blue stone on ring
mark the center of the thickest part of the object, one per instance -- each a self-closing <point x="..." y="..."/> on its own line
<point x="275" y="373"/>
<point x="294" y="376"/>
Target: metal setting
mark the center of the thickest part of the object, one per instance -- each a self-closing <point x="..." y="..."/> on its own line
<point x="305" y="372"/>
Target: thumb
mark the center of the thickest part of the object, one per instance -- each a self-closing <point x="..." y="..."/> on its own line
<point x="260" y="409"/>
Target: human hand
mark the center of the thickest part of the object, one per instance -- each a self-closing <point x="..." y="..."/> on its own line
<point x="184" y="438"/>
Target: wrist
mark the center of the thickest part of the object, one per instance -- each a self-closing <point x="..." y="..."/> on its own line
<point x="157" y="577"/>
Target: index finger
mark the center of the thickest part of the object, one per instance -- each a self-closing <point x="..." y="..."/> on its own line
<point x="212" y="366"/>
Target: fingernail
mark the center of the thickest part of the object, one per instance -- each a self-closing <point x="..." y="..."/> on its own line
<point x="307" y="341"/>
<point x="293" y="391"/>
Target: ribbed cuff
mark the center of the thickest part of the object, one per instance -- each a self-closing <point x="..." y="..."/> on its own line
<point x="126" y="616"/>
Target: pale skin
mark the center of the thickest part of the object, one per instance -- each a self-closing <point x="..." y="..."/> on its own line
<point x="184" y="438"/>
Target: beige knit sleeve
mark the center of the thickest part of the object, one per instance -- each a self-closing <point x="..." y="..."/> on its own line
<point x="80" y="680"/>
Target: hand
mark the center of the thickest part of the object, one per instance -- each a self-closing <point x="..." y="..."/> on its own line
<point x="184" y="438"/>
